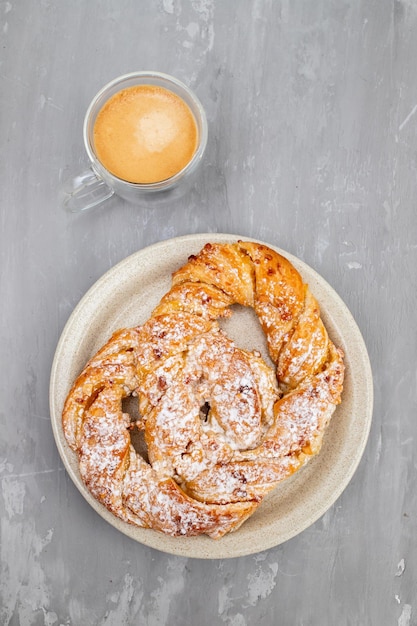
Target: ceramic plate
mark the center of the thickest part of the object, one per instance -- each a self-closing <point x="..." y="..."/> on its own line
<point x="124" y="297"/>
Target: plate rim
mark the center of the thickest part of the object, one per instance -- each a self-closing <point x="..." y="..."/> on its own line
<point x="183" y="546"/>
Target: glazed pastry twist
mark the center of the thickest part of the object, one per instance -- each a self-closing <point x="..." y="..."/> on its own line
<point x="221" y="428"/>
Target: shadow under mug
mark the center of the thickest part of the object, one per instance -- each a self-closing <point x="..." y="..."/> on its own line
<point x="97" y="184"/>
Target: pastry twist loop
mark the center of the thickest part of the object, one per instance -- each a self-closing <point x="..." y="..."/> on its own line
<point x="221" y="427"/>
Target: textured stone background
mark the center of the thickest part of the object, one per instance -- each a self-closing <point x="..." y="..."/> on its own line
<point x="312" y="110"/>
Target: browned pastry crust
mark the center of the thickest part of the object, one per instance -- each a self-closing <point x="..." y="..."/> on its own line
<point x="207" y="470"/>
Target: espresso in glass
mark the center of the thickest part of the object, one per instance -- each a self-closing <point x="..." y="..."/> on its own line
<point x="147" y="146"/>
<point x="145" y="134"/>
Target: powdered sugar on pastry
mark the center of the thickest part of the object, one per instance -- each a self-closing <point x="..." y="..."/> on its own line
<point x="221" y="427"/>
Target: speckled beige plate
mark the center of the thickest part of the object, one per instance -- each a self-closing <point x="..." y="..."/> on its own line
<point x="124" y="297"/>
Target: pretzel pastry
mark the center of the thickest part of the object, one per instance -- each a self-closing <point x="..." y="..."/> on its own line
<point x="221" y="428"/>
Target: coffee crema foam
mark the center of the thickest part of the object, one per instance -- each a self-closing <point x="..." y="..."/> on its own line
<point x="145" y="134"/>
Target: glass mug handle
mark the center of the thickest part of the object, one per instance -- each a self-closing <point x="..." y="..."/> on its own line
<point x="85" y="191"/>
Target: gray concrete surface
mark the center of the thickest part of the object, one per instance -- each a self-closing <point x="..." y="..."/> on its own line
<point x="312" y="111"/>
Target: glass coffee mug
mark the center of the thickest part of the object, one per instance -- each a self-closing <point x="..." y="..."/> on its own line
<point x="97" y="184"/>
